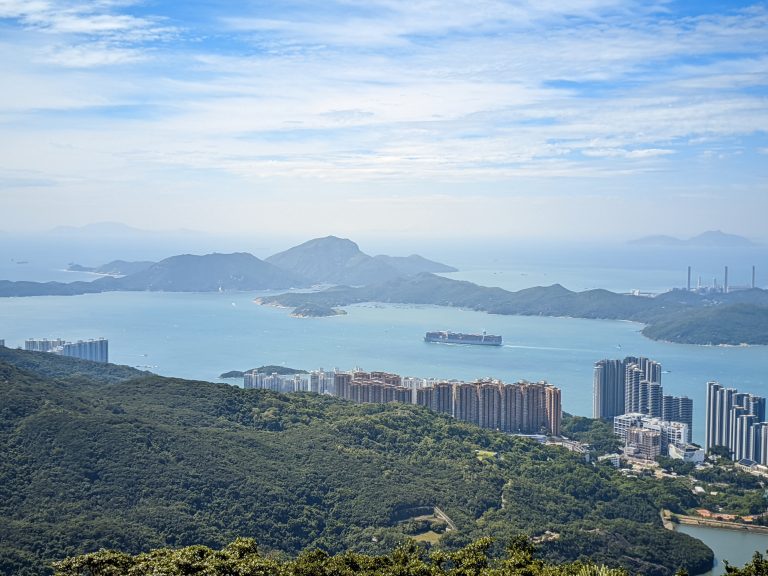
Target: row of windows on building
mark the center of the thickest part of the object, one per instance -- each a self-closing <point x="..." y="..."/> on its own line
<point x="633" y="386"/>
<point x="96" y="350"/>
<point x="736" y="421"/>
<point x="524" y="407"/>
<point x="648" y="437"/>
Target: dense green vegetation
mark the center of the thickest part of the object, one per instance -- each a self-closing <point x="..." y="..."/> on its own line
<point x="733" y="325"/>
<point x="47" y="365"/>
<point x="730" y="490"/>
<point x="593" y="431"/>
<point x="150" y="462"/>
<point x="242" y="557"/>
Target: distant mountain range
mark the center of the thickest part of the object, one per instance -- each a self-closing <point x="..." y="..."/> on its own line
<point x="323" y="260"/>
<point x="709" y="239"/>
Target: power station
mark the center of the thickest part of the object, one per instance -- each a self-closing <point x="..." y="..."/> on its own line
<point x="724" y="289"/>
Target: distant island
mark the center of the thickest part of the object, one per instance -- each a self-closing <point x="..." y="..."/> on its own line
<point x="311" y="310"/>
<point x="114" y="268"/>
<point x="328" y="260"/>
<point x="709" y="239"/>
<point x="357" y="277"/>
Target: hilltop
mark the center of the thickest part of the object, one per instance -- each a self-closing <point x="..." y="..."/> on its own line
<point x="142" y="462"/>
<point x="333" y="260"/>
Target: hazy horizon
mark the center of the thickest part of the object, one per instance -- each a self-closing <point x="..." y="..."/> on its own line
<point x="508" y="263"/>
<point x="589" y="119"/>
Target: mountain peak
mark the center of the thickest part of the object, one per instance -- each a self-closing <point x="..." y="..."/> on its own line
<point x="337" y="260"/>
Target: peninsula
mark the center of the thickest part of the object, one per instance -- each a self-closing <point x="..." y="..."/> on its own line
<point x="741" y="315"/>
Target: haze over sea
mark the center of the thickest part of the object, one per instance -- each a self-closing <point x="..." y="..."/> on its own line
<point x="199" y="336"/>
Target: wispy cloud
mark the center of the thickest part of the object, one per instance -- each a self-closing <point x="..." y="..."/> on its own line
<point x="86" y="34"/>
<point x="385" y="95"/>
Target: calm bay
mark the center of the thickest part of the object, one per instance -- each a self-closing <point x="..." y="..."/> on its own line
<point x="735" y="546"/>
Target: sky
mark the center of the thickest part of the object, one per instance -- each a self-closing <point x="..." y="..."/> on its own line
<point x="569" y="119"/>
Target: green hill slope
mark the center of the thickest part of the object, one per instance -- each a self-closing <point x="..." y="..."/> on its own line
<point x="732" y="325"/>
<point x="694" y="309"/>
<point x="151" y="462"/>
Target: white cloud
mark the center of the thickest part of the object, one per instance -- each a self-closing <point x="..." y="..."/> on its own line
<point x="86" y="34"/>
<point x="379" y="96"/>
<point x="621" y="153"/>
<point x="90" y="55"/>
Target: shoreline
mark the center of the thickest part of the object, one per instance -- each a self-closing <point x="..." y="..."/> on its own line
<point x="669" y="524"/>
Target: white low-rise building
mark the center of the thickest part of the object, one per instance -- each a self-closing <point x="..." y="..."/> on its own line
<point x="687" y="453"/>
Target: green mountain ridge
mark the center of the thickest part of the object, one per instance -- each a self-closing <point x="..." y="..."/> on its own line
<point x="145" y="462"/>
<point x="552" y="300"/>
<point x="730" y="325"/>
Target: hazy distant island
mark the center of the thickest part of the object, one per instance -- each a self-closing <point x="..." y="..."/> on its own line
<point x="356" y="277"/>
<point x="328" y="260"/>
<point x="114" y="268"/>
<point x="709" y="239"/>
<point x="312" y="310"/>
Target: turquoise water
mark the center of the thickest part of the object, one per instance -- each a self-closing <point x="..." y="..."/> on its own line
<point x="733" y="545"/>
<point x="200" y="336"/>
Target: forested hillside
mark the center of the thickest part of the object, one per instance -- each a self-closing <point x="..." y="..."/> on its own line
<point x="150" y="462"/>
<point x="678" y="315"/>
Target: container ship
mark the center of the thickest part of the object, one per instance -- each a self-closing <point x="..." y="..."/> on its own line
<point x="459" y="338"/>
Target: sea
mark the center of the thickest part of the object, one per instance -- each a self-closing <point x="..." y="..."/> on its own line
<point x="202" y="335"/>
<point x="734" y="546"/>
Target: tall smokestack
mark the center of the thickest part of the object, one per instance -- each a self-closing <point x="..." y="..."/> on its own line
<point x="689" y="278"/>
<point x="753" y="276"/>
<point x="725" y="281"/>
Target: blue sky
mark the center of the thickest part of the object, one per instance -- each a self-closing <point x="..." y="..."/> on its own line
<point x="540" y="119"/>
